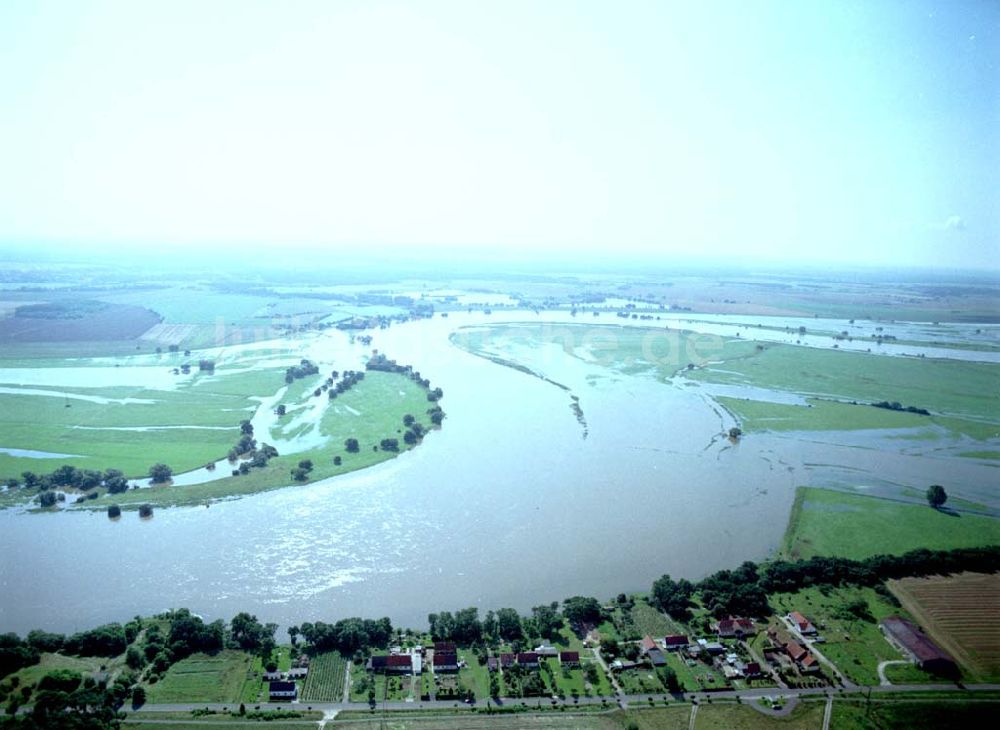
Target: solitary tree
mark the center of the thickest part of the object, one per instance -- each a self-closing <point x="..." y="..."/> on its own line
<point x="936" y="496"/>
<point x="735" y="433"/>
<point x="351" y="445"/>
<point x="160" y="473"/>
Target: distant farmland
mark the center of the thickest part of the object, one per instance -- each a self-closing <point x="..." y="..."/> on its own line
<point x="77" y="321"/>
<point x="960" y="613"/>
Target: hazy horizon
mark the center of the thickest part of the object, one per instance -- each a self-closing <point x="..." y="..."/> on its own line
<point x="857" y="134"/>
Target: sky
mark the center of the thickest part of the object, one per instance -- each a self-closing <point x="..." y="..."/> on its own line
<point x="857" y="131"/>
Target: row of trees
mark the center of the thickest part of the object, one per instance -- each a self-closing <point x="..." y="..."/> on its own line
<point x="71" y="477"/>
<point x="350" y="379"/>
<point x="506" y="624"/>
<point x="347" y="636"/>
<point x="744" y="591"/>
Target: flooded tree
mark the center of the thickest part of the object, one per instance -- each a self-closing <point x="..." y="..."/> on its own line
<point x="160" y="473"/>
<point x="936" y="496"/>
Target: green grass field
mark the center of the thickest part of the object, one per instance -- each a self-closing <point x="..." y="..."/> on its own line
<point x="855" y="645"/>
<point x="379" y="403"/>
<point x="202" y="678"/>
<point x="50" y="662"/>
<point x="951" y="387"/>
<point x="188" y="418"/>
<point x="370" y="411"/>
<point x="826" y="522"/>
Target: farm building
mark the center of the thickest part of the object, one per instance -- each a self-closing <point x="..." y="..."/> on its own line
<point x="651" y="649"/>
<point x="298" y="672"/>
<point x="712" y="647"/>
<point x="445" y="662"/>
<point x="546" y="650"/>
<point x="399" y="664"/>
<point x="569" y="658"/>
<point x="914" y="643"/>
<point x="282" y="691"/>
<point x="273" y="676"/>
<point x="528" y="659"/>
<point x="508" y="660"/>
<point x="492" y="664"/>
<point x="675" y="641"/>
<point x="622" y="664"/>
<point x="446" y="647"/>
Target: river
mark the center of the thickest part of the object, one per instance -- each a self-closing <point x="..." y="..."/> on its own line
<point x="508" y="505"/>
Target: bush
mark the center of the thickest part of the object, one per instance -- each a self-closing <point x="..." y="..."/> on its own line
<point x="114" y="511"/>
<point x="60" y="680"/>
<point x="146" y="510"/>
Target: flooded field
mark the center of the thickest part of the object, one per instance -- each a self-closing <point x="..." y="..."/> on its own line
<point x="558" y="477"/>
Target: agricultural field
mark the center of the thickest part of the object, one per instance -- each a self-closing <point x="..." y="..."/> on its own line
<point x="918" y="715"/>
<point x="960" y="613"/>
<point x="325" y="681"/>
<point x="202" y="678"/>
<point x="75" y="320"/>
<point x="848" y="619"/>
<point x="827" y="522"/>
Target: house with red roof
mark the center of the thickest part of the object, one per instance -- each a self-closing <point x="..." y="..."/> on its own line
<point x="445" y="662"/>
<point x="734" y="627"/>
<point x="528" y="659"/>
<point x="801" y="623"/>
<point x="569" y="658"/>
<point x="675" y="641"/>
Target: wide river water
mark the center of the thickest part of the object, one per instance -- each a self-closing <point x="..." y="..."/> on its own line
<point x="512" y="503"/>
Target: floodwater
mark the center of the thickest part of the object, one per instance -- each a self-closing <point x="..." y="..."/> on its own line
<point x="514" y="502"/>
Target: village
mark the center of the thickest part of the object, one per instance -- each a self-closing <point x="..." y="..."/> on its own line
<point x="737" y="653"/>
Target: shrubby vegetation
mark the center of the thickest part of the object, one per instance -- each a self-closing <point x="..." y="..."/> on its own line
<point x="897" y="406"/>
<point x="70" y="477"/>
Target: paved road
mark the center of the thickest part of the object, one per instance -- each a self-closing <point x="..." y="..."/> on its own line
<point x="639" y="700"/>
